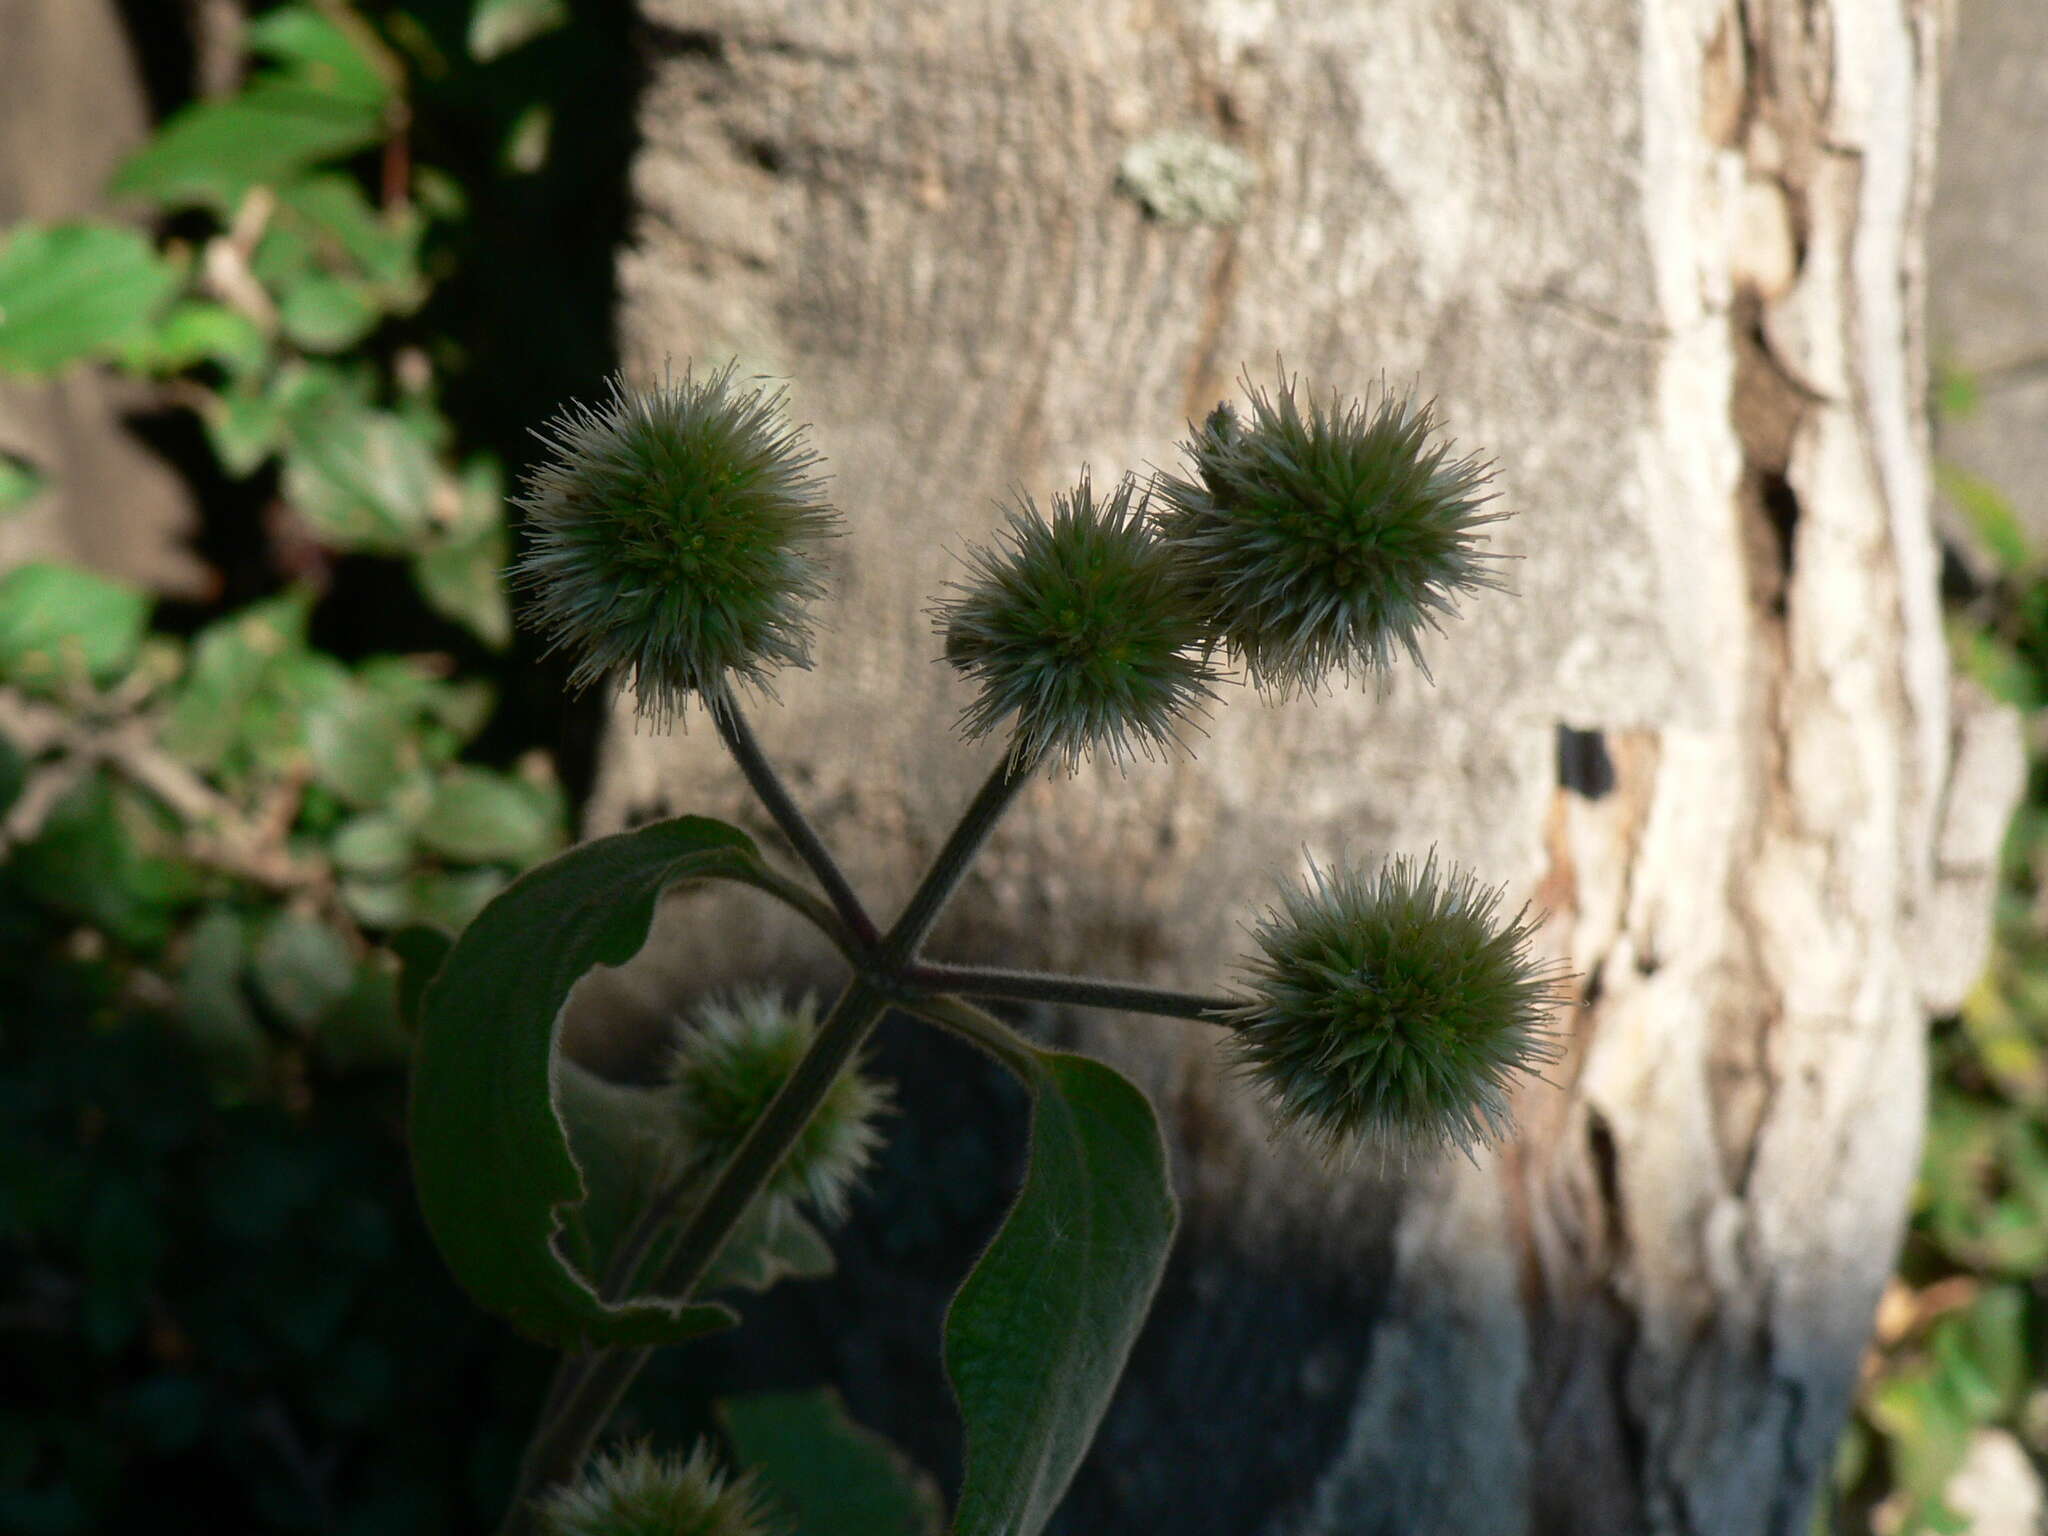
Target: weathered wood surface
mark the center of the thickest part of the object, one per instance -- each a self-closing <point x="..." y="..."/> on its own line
<point x="72" y="105"/>
<point x="1664" y="260"/>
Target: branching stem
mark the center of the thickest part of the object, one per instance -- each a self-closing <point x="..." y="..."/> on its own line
<point x="1075" y="991"/>
<point x="587" y="1388"/>
<point x="900" y="948"/>
<point x="766" y="783"/>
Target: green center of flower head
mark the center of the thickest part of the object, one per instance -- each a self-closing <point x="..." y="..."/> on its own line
<point x="1078" y="627"/>
<point x="1325" y="538"/>
<point x="673" y="537"/>
<point x="1394" y="1012"/>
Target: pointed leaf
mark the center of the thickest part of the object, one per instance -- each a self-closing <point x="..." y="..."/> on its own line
<point x="836" y="1477"/>
<point x="60" y="624"/>
<point x="1038" y="1335"/>
<point x="490" y="1161"/>
<point x="20" y="483"/>
<point x="72" y="290"/>
<point x="498" y="26"/>
<point x="212" y="152"/>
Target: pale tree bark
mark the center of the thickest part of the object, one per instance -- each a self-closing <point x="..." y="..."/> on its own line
<point x="72" y="106"/>
<point x="1661" y="258"/>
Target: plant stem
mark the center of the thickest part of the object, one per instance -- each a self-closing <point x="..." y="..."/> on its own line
<point x="740" y="740"/>
<point x="588" y="1389"/>
<point x="1081" y="991"/>
<point x="899" y="949"/>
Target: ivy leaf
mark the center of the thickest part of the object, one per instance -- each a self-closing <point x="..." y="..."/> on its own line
<point x="317" y="51"/>
<point x="229" y="661"/>
<point x="20" y="483"/>
<point x="243" y="427"/>
<point x="216" y="1015"/>
<point x="69" y="291"/>
<point x="834" y="1476"/>
<point x="420" y="951"/>
<point x="383" y="246"/>
<point x="302" y="967"/>
<point x="360" y="746"/>
<point x="498" y="26"/>
<point x="362" y="477"/>
<point x="13" y="774"/>
<point x="1990" y="512"/>
<point x="58" y="622"/>
<point x="104" y="858"/>
<point x="484" y="818"/>
<point x="490" y="1162"/>
<point x="322" y="313"/>
<point x="197" y="331"/>
<point x="210" y="154"/>
<point x="465" y="582"/>
<point x="1039" y="1333"/>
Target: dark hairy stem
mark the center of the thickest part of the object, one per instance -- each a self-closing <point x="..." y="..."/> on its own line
<point x="900" y="948"/>
<point x="761" y="776"/>
<point x="1078" y="991"/>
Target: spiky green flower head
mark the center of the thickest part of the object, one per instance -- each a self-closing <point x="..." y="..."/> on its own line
<point x="634" y="1492"/>
<point x="1394" y="1012"/>
<point x="1079" y="628"/>
<point x="732" y="1055"/>
<point x="1321" y="541"/>
<point x="674" y="538"/>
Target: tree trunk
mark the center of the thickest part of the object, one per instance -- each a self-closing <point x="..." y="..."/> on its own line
<point x="1663" y="261"/>
<point x="72" y="106"/>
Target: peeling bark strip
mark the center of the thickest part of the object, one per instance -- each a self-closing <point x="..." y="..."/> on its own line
<point x="1663" y="260"/>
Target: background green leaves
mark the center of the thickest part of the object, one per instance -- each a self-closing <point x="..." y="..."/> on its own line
<point x="67" y="290"/>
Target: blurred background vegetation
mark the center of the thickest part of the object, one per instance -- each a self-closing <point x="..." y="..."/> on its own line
<point x="350" y="275"/>
<point x="352" y="271"/>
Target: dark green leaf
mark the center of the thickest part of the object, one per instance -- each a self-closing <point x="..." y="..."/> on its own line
<point x="623" y="1138"/>
<point x="1039" y="1333"/>
<point x="772" y="1243"/>
<point x="319" y="51"/>
<point x="197" y="331"/>
<point x="498" y="26"/>
<point x="832" y="1476"/>
<point x="359" y="745"/>
<point x="465" y="582"/>
<point x="20" y="483"/>
<point x="327" y="314"/>
<point x="229" y="662"/>
<point x="363" y="1028"/>
<point x="100" y="859"/>
<point x="244" y="429"/>
<point x="420" y="951"/>
<point x="13" y="774"/>
<point x="73" y="290"/>
<point x="60" y="624"/>
<point x="491" y="1165"/>
<point x="483" y="818"/>
<point x="1990" y="513"/>
<point x="302" y="967"/>
<point x="212" y="152"/>
<point x="374" y="846"/>
<point x="211" y="1004"/>
<point x="362" y="477"/>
